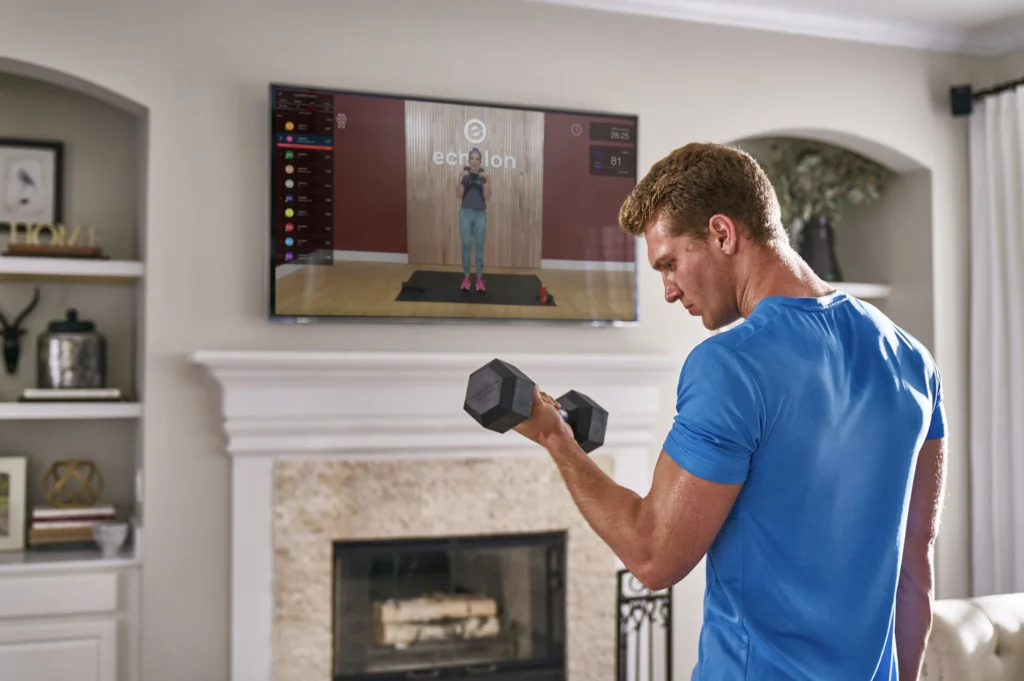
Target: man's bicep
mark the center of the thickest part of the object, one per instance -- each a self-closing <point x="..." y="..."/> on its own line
<point x="926" y="494"/>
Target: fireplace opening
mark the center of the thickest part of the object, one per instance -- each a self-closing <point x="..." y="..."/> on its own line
<point x="491" y="606"/>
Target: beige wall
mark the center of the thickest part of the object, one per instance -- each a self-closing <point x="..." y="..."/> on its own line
<point x="202" y="70"/>
<point x="515" y="209"/>
<point x="1005" y="67"/>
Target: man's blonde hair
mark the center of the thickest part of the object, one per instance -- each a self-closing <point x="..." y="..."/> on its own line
<point x="700" y="180"/>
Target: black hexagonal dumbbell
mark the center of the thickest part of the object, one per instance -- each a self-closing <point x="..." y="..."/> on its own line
<point x="499" y="397"/>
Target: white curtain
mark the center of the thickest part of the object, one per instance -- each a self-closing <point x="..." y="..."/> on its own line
<point x="997" y="343"/>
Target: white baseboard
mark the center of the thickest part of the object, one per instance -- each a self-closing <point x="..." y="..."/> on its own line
<point x="370" y="256"/>
<point x="592" y="265"/>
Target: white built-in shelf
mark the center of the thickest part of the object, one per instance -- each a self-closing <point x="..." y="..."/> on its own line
<point x="50" y="411"/>
<point x="56" y="560"/>
<point x="860" y="290"/>
<point x="87" y="269"/>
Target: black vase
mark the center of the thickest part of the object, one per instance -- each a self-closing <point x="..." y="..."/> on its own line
<point x="817" y="247"/>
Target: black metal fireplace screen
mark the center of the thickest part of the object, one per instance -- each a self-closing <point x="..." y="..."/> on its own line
<point x="644" y="640"/>
<point x="436" y="608"/>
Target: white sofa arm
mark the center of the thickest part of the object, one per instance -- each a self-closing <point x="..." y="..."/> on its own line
<point x="977" y="639"/>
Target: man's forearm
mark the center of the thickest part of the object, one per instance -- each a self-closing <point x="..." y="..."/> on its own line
<point x="613" y="511"/>
<point x="914" y="598"/>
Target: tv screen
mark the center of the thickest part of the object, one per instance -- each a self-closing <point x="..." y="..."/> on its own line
<point x="391" y="207"/>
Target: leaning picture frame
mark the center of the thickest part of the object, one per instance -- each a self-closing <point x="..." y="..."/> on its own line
<point x="13" y="490"/>
<point x="31" y="182"/>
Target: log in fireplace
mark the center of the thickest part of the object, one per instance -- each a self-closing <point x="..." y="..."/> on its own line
<point x="490" y="606"/>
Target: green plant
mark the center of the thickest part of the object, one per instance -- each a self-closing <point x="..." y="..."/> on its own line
<point x="815" y="180"/>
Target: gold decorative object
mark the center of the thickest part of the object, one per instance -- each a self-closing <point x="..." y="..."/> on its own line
<point x="73" y="483"/>
<point x="56" y="240"/>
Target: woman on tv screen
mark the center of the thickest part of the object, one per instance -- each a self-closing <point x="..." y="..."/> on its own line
<point x="475" y="191"/>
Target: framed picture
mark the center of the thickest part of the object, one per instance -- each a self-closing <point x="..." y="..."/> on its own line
<point x="31" y="181"/>
<point x="13" y="487"/>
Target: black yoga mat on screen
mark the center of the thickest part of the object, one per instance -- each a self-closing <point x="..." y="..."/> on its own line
<point x="426" y="286"/>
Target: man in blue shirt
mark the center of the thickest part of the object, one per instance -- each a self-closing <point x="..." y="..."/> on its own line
<point x="806" y="457"/>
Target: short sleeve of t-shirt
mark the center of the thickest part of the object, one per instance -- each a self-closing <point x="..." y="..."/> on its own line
<point x="719" y="415"/>
<point x="937" y="427"/>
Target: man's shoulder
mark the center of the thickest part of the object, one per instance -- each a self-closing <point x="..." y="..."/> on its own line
<point x="715" y="350"/>
<point x="753" y="342"/>
<point x="899" y="339"/>
<point x="720" y="364"/>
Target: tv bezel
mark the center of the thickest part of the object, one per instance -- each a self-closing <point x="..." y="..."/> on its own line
<point x="270" y="288"/>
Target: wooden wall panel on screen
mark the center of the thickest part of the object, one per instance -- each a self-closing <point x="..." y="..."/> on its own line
<point x="436" y="151"/>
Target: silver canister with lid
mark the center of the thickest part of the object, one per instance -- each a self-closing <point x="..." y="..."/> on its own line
<point x="72" y="354"/>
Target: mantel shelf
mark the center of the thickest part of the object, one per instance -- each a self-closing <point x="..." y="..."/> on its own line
<point x="64" y="269"/>
<point x="46" y="411"/>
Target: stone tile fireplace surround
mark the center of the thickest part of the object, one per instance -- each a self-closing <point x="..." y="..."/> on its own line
<point x="339" y="446"/>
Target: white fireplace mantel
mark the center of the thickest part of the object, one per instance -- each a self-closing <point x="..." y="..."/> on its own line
<point x="370" y="405"/>
<point x="409" y="404"/>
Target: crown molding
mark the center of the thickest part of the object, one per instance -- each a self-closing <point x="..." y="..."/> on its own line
<point x="821" y="25"/>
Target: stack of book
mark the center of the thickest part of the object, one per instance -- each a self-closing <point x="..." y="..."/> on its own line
<point x="66" y="528"/>
<point x="70" y="394"/>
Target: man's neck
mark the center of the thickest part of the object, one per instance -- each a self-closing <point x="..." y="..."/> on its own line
<point x="778" y="271"/>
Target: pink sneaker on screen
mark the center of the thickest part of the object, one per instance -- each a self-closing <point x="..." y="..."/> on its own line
<point x="465" y="283"/>
<point x="480" y="284"/>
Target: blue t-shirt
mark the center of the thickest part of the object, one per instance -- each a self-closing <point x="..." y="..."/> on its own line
<point x="819" y="406"/>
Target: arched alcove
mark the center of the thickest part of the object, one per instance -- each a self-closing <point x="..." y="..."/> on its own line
<point x="103" y="142"/>
<point x="67" y="81"/>
<point x="895" y="159"/>
<point x="885" y="248"/>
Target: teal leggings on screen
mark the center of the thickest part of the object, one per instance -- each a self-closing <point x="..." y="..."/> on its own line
<point x="472" y="228"/>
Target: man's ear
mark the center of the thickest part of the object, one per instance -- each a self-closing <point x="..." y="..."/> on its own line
<point x="724" y="233"/>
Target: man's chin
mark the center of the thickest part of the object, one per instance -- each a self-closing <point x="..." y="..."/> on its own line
<point x="705" y="322"/>
<point x="708" y="323"/>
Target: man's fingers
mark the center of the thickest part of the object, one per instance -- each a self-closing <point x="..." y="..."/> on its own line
<point x="550" y="400"/>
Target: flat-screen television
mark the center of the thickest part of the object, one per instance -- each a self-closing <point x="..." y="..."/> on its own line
<point x="387" y="207"/>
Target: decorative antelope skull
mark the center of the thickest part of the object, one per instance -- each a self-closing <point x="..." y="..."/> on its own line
<point x="12" y="334"/>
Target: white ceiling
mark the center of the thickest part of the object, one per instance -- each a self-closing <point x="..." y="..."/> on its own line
<point x="981" y="27"/>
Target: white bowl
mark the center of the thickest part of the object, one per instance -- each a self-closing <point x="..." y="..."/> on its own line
<point x="110" y="537"/>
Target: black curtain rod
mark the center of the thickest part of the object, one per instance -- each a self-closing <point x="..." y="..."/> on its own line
<point x="963" y="97"/>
